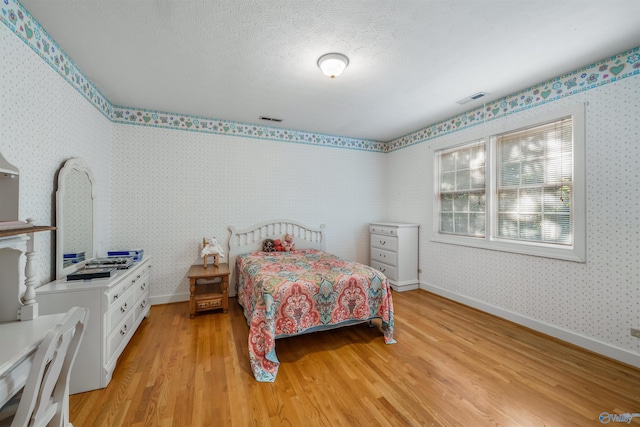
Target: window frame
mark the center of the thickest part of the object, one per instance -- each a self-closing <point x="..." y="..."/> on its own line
<point x="471" y="189"/>
<point x="575" y="252"/>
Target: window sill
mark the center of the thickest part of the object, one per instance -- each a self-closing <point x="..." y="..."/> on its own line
<point x="566" y="253"/>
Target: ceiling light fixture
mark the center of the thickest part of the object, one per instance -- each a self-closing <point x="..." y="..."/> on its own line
<point x="333" y="64"/>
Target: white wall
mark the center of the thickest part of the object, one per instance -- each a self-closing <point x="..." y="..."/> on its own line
<point x="43" y="122"/>
<point x="172" y="188"/>
<point x="593" y="304"/>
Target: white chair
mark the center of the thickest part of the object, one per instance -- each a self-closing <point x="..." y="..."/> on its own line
<point x="45" y="397"/>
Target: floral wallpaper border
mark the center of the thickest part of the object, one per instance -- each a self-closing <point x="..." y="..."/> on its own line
<point x="152" y="118"/>
<point x="615" y="68"/>
<point x="21" y="23"/>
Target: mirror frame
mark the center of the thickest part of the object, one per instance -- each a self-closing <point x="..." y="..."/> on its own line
<point x="70" y="165"/>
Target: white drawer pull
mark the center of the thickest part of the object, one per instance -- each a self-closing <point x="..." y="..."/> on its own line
<point x="123" y="330"/>
<point x="123" y="308"/>
<point x="143" y="286"/>
<point x="143" y="304"/>
<point x="383" y="242"/>
<point x="115" y="297"/>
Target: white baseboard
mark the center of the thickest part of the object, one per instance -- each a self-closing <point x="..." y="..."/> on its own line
<point x="167" y="299"/>
<point x="591" y="344"/>
<point x="404" y="286"/>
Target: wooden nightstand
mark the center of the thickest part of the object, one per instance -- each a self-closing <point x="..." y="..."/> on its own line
<point x="209" y="296"/>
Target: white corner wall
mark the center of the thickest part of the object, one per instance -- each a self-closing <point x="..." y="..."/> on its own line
<point x="592" y="304"/>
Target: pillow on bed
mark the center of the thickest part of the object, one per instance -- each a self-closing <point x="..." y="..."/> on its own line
<point x="268" y="246"/>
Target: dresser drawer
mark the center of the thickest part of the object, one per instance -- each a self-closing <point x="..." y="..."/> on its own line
<point x="389" y="243"/>
<point x="142" y="306"/>
<point x="384" y="256"/>
<point x="119" y="335"/>
<point x="141" y="286"/>
<point x="387" y="270"/>
<point x="116" y="294"/>
<point x="122" y="308"/>
<point x="381" y="229"/>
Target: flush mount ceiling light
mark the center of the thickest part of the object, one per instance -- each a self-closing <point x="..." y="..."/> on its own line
<point x="333" y="64"/>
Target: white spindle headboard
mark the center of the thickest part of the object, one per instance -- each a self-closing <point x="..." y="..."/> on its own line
<point x="250" y="239"/>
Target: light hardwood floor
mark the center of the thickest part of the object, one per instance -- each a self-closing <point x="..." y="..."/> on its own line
<point x="451" y="366"/>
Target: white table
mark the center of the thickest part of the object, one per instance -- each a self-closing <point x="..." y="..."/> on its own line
<point x="19" y="341"/>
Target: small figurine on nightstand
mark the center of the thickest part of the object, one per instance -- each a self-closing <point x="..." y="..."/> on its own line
<point x="288" y="243"/>
<point x="211" y="247"/>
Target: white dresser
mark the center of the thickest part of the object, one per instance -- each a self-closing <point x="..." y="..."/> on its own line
<point x="116" y="306"/>
<point x="394" y="252"/>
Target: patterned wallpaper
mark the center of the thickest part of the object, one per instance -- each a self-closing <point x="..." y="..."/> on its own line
<point x="594" y="303"/>
<point x="163" y="189"/>
<point x="44" y="122"/>
<point x="183" y="186"/>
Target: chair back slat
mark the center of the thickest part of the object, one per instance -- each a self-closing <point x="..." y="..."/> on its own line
<point x="45" y="398"/>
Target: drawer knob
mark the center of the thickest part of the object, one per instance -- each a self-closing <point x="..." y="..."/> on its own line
<point x="143" y="286"/>
<point x="123" y="330"/>
<point x="123" y="308"/>
<point x="383" y="242"/>
<point x="143" y="304"/>
<point x="383" y="269"/>
<point x="115" y="297"/>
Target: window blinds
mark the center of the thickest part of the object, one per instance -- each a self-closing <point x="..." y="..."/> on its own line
<point x="534" y="183"/>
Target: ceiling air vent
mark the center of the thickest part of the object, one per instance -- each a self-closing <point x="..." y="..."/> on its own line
<point x="472" y="98"/>
<point x="270" y="119"/>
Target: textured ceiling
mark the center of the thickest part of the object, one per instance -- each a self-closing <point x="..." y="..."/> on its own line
<point x="410" y="61"/>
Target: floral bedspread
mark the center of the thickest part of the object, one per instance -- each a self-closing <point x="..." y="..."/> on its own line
<point x="289" y="293"/>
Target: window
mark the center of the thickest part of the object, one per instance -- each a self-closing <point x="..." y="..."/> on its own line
<point x="521" y="189"/>
<point x="462" y="190"/>
<point x="534" y="183"/>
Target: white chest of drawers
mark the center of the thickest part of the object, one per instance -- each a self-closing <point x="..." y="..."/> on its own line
<point x="116" y="306"/>
<point x="394" y="252"/>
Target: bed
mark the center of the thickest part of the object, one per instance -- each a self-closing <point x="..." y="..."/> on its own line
<point x="307" y="290"/>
